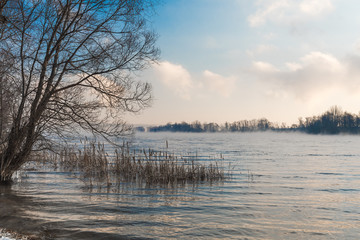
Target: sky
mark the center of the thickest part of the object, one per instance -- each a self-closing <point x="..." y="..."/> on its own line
<point x="229" y="60"/>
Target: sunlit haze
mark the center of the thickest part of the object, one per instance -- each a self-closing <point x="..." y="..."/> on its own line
<point x="228" y="60"/>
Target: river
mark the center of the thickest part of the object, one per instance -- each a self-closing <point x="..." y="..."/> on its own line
<point x="282" y="186"/>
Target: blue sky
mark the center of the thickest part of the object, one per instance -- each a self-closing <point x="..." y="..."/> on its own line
<point x="228" y="60"/>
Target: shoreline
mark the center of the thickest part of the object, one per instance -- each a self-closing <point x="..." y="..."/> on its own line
<point x="6" y="234"/>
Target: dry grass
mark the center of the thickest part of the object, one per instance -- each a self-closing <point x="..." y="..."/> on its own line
<point x="125" y="165"/>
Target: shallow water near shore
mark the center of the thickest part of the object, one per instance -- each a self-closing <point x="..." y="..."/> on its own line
<point x="283" y="186"/>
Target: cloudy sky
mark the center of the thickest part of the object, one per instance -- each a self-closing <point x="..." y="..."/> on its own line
<point x="228" y="60"/>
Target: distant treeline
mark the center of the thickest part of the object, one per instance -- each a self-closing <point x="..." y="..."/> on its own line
<point x="333" y="121"/>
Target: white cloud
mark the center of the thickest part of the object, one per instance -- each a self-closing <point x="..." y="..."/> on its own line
<point x="322" y="62"/>
<point x="293" y="66"/>
<point x="261" y="49"/>
<point x="183" y="84"/>
<point x="175" y="77"/>
<point x="316" y="7"/>
<point x="267" y="10"/>
<point x="224" y="86"/>
<point x="288" y="11"/>
<point x="264" y="67"/>
<point x="312" y="76"/>
<point x="356" y="45"/>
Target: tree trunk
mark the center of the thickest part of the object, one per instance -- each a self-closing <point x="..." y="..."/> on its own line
<point x="5" y="180"/>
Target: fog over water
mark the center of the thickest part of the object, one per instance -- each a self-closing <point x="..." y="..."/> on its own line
<point x="283" y="186"/>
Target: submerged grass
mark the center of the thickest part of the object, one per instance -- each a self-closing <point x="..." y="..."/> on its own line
<point x="96" y="166"/>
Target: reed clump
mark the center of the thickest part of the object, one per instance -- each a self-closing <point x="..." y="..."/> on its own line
<point x="153" y="167"/>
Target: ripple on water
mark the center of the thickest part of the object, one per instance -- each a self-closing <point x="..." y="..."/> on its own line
<point x="283" y="186"/>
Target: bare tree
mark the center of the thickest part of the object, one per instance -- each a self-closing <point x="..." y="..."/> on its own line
<point x="71" y="68"/>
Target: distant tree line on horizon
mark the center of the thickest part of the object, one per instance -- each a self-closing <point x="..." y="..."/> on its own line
<point x="333" y="121"/>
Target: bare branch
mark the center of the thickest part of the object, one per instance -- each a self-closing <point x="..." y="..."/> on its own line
<point x="71" y="68"/>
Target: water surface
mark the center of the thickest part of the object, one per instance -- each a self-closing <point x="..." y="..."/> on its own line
<point x="283" y="186"/>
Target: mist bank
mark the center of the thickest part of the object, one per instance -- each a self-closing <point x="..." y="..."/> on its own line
<point x="333" y="121"/>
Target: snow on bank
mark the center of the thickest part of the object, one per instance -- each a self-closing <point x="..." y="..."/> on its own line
<point x="9" y="235"/>
<point x="6" y="238"/>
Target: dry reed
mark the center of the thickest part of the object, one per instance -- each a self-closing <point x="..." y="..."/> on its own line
<point x="153" y="167"/>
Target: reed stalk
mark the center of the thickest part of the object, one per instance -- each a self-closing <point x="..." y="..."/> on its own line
<point x="95" y="166"/>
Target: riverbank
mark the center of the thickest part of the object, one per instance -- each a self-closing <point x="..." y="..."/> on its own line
<point x="11" y="235"/>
